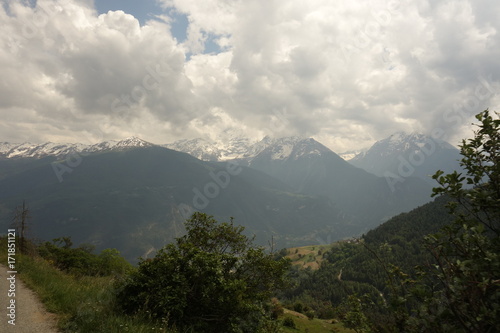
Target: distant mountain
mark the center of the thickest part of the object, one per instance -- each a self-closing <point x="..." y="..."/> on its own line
<point x="283" y="149"/>
<point x="234" y="149"/>
<point x="287" y="148"/>
<point x="209" y="150"/>
<point x="311" y="168"/>
<point x="404" y="155"/>
<point x="25" y="150"/>
<point x="134" y="195"/>
<point x="136" y="200"/>
<point x="200" y="148"/>
<point x="348" y="155"/>
<point x="30" y="150"/>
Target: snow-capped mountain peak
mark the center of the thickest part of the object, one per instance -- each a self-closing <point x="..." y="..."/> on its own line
<point x="408" y="153"/>
<point x="133" y="141"/>
<point x="14" y="150"/>
<point x="200" y="148"/>
<point x="214" y="150"/>
<point x="349" y="155"/>
<point x="31" y="150"/>
<point x="243" y="148"/>
<point x="401" y="142"/>
<point x="118" y="144"/>
<point x="287" y="148"/>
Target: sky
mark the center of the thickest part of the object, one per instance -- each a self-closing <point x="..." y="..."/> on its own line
<point x="345" y="72"/>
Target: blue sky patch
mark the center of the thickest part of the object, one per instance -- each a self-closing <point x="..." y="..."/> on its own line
<point x="146" y="10"/>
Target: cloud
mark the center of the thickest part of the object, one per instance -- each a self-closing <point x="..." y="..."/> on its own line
<point x="343" y="69"/>
<point x="347" y="73"/>
<point x="69" y="64"/>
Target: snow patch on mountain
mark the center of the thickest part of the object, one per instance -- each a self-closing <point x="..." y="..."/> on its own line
<point x="286" y="148"/>
<point x="246" y="149"/>
<point x="282" y="152"/>
<point x="200" y="148"/>
<point x="30" y="150"/>
<point x="235" y="148"/>
<point x="401" y="142"/>
<point x="349" y="155"/>
<point x="403" y="155"/>
<point x="213" y="150"/>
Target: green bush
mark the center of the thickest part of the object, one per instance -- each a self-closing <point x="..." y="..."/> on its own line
<point x="298" y="307"/>
<point x="310" y="314"/>
<point x="211" y="280"/>
<point x="276" y="310"/>
<point x="81" y="260"/>
<point x="289" y="322"/>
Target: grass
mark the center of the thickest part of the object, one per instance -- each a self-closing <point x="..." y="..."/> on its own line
<point x="80" y="303"/>
<point x="303" y="324"/>
<point x="308" y="256"/>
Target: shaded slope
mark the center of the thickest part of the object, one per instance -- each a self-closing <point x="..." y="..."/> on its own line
<point x="364" y="199"/>
<point x="133" y="200"/>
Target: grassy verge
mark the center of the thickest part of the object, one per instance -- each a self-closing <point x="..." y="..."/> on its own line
<point x="303" y="324"/>
<point x="81" y="303"/>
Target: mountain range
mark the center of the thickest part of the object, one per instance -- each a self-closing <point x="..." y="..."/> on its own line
<point x="209" y="150"/>
<point x="403" y="155"/>
<point x="134" y="196"/>
<point x="30" y="150"/>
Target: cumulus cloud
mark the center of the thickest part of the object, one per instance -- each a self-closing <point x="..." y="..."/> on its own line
<point x="347" y="73"/>
<point x="352" y="72"/>
<point x="67" y="66"/>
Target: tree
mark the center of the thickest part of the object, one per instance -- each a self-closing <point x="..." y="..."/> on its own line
<point x="211" y="280"/>
<point x="463" y="291"/>
<point x="20" y="222"/>
<point x="354" y="318"/>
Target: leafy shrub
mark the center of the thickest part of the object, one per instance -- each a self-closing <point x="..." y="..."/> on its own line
<point x="289" y="322"/>
<point x="276" y="309"/>
<point x="298" y="307"/>
<point x="81" y="260"/>
<point x="310" y="314"/>
<point x="210" y="280"/>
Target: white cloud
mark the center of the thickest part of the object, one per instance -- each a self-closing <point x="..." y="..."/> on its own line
<point x="70" y="65"/>
<point x="348" y="72"/>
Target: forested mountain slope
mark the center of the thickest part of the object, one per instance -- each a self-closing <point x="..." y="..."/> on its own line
<point x="362" y="266"/>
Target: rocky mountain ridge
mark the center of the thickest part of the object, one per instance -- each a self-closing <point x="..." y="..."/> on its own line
<point x="31" y="150"/>
<point x="408" y="154"/>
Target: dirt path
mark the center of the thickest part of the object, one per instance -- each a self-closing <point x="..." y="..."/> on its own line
<point x="30" y="315"/>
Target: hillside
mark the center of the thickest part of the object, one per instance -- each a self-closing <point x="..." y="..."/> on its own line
<point x="360" y="267"/>
<point x="309" y="167"/>
<point x="307" y="257"/>
<point x="134" y="196"/>
<point x="135" y="200"/>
